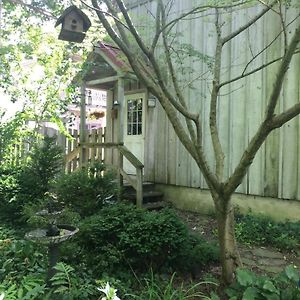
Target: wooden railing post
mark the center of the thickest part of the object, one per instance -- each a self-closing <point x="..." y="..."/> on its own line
<point x="139" y="187"/>
<point x="120" y="176"/>
<point x="82" y="133"/>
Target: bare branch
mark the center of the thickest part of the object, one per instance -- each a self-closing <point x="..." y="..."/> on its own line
<point x="200" y="9"/>
<point x="106" y="13"/>
<point x="131" y="27"/>
<point x="281" y="73"/>
<point x="254" y="70"/>
<point x="283" y="27"/>
<point x="119" y="25"/>
<point x="219" y="155"/>
<point x="267" y="5"/>
<point x="157" y="29"/>
<point x="112" y="33"/>
<point x="247" y="25"/>
<point x="276" y="37"/>
<point x="280" y="119"/>
<point x="178" y="92"/>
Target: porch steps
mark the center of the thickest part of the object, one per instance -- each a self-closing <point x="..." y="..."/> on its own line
<point x="151" y="199"/>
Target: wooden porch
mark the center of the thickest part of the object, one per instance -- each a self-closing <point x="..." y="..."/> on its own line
<point x="81" y="154"/>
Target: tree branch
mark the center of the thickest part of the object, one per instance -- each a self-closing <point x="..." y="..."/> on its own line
<point x="269" y="44"/>
<point x="281" y="73"/>
<point x="219" y="155"/>
<point x="247" y="25"/>
<point x="200" y="9"/>
<point x="131" y="27"/>
<point x="280" y="119"/>
<point x="97" y="9"/>
<point x="174" y="78"/>
<point x="157" y="29"/>
<point x="253" y="71"/>
<point x="120" y="25"/>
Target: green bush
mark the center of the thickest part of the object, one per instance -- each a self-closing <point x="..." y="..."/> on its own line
<point x="85" y="190"/>
<point x="9" y="188"/>
<point x="121" y="237"/>
<point x="260" y="230"/>
<point x="251" y="286"/>
<point x="45" y="162"/>
<point x="29" y="182"/>
<point x="19" y="258"/>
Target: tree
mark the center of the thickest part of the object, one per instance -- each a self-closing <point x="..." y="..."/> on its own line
<point x="156" y="64"/>
<point x="36" y="68"/>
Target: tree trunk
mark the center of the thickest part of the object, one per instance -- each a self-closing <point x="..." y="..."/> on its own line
<point x="229" y="254"/>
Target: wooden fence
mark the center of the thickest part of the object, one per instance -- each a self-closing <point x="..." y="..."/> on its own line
<point x="75" y="158"/>
<point x="69" y="146"/>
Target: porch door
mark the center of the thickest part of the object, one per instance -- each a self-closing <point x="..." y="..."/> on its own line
<point x="134" y="128"/>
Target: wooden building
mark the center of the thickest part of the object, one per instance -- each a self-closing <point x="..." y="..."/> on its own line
<point x="136" y="119"/>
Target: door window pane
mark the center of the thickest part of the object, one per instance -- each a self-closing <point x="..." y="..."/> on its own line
<point x="134" y="116"/>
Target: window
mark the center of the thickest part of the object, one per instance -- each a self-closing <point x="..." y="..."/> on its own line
<point x="134" y="116"/>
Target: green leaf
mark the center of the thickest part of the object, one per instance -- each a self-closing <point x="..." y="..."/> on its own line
<point x="61" y="289"/>
<point x="250" y="293"/>
<point x="269" y="286"/>
<point x="291" y="273"/>
<point x="272" y="296"/>
<point x="214" y="296"/>
<point x="20" y="293"/>
<point x="244" y="277"/>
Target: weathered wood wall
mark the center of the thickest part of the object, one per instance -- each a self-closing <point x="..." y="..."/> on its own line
<point x="276" y="169"/>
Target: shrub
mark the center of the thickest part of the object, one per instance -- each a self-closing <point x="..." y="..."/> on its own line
<point x="45" y="163"/>
<point x="18" y="258"/>
<point x="8" y="190"/>
<point x="121" y="236"/>
<point x="28" y="183"/>
<point x="260" y="230"/>
<point x="85" y="190"/>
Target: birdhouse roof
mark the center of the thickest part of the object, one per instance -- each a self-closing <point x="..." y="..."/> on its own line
<point x="86" y="21"/>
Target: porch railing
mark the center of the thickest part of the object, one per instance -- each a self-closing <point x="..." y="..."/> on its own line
<point x="136" y="183"/>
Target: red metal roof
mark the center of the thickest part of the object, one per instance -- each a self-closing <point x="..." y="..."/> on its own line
<point x="115" y="55"/>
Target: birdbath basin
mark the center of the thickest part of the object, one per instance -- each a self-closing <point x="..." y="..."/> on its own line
<point x="40" y="235"/>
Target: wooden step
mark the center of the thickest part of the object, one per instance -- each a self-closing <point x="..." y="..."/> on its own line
<point x="148" y="196"/>
<point x="155" y="205"/>
<point x="147" y="186"/>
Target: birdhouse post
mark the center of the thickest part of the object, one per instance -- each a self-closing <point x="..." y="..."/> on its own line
<point x="75" y="23"/>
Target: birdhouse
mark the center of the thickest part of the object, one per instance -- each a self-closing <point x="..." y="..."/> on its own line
<point x="75" y="24"/>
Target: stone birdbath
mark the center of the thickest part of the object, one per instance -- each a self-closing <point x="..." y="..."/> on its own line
<point x="52" y="235"/>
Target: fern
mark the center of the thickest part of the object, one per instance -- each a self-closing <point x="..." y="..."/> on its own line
<point x="62" y="278"/>
<point x="29" y="288"/>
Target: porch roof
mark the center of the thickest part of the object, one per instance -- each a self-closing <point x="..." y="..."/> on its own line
<point x="104" y="65"/>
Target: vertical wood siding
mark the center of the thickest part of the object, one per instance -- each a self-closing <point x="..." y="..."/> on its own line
<point x="276" y="168"/>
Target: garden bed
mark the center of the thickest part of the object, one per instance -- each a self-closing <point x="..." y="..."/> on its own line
<point x="261" y="259"/>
